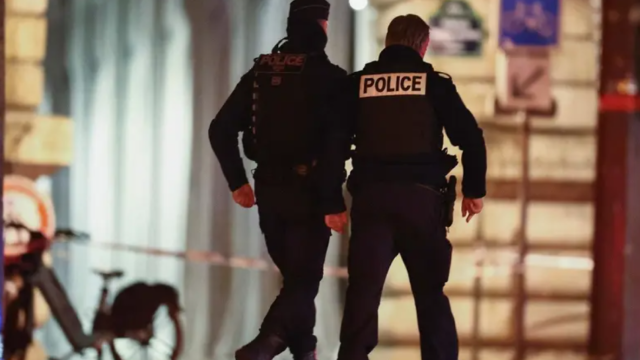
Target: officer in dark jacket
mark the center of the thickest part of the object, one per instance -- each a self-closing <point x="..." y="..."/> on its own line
<point x="398" y="107"/>
<point x="279" y="106"/>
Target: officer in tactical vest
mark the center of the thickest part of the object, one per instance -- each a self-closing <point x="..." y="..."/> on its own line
<point x="397" y="109"/>
<point x="279" y="106"/>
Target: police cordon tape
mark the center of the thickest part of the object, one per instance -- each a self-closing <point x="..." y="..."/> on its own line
<point x="484" y="262"/>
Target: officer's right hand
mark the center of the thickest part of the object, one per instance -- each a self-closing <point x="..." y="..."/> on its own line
<point x="471" y="207"/>
<point x="244" y="196"/>
<point x="336" y="222"/>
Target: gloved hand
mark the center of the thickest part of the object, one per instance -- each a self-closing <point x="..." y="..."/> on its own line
<point x="244" y="197"/>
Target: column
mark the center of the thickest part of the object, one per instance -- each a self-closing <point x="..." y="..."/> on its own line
<point x="209" y="204"/>
<point x="34" y="145"/>
<point x="615" y="309"/>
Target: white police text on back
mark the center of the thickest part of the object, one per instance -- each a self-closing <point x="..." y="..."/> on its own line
<point x="393" y="84"/>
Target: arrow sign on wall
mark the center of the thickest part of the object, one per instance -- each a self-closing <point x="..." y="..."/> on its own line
<point x="526" y="83"/>
<point x="522" y="89"/>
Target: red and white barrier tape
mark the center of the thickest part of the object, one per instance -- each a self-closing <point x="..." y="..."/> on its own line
<point x="502" y="260"/>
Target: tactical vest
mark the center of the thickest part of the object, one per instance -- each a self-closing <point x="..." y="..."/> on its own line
<point x="395" y="116"/>
<point x="282" y="122"/>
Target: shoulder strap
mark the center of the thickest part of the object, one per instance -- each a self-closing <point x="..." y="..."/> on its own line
<point x="440" y="75"/>
<point x="444" y="75"/>
<point x="439" y="78"/>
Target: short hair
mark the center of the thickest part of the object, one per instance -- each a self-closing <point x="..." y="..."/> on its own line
<point x="409" y="30"/>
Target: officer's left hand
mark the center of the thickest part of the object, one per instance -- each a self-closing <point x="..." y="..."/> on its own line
<point x="336" y="222"/>
<point x="471" y="207"/>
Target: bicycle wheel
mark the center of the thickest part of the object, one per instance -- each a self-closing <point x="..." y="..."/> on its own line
<point x="161" y="340"/>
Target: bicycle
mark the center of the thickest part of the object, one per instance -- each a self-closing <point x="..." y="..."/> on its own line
<point x="129" y="318"/>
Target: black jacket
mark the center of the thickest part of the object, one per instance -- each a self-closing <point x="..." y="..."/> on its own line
<point x="451" y="113"/>
<point x="235" y="116"/>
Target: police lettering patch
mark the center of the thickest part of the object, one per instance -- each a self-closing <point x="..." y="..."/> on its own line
<point x="393" y="84"/>
<point x="281" y="63"/>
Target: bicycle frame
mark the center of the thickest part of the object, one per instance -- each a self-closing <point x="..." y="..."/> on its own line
<point x="45" y="279"/>
<point x="111" y="320"/>
<point x="102" y="320"/>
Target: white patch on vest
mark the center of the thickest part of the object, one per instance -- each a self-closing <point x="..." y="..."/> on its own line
<point x="393" y="84"/>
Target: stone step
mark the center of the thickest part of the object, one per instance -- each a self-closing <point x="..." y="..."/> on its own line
<point x="540" y="190"/>
<point x="26" y="7"/>
<point x="26" y="38"/>
<point x="38" y="140"/>
<point x="466" y="353"/>
<point x="556" y="322"/>
<point x="562" y="157"/>
<point x="500" y="223"/>
<point x="546" y="246"/>
<point x="497" y="275"/>
<point x="24" y="86"/>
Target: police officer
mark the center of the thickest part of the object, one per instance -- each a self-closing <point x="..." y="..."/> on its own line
<point x="399" y="106"/>
<point x="279" y="107"/>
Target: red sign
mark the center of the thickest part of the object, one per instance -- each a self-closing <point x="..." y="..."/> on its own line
<point x="619" y="103"/>
<point x="26" y="205"/>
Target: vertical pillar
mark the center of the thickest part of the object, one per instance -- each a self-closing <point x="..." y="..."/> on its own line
<point x="615" y="317"/>
<point x="2" y="109"/>
<point x="631" y="329"/>
<point x="210" y="43"/>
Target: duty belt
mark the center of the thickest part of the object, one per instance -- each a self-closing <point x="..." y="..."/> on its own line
<point x="280" y="172"/>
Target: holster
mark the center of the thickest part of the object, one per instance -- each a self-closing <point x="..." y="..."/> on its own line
<point x="450" y="200"/>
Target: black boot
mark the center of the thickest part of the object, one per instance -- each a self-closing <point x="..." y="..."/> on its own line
<point x="263" y="347"/>
<point x="311" y="355"/>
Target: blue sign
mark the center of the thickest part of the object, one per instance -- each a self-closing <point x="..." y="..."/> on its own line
<point x="456" y="30"/>
<point x="533" y="23"/>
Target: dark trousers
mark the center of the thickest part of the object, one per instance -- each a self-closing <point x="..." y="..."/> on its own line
<point x="297" y="240"/>
<point x="390" y="219"/>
